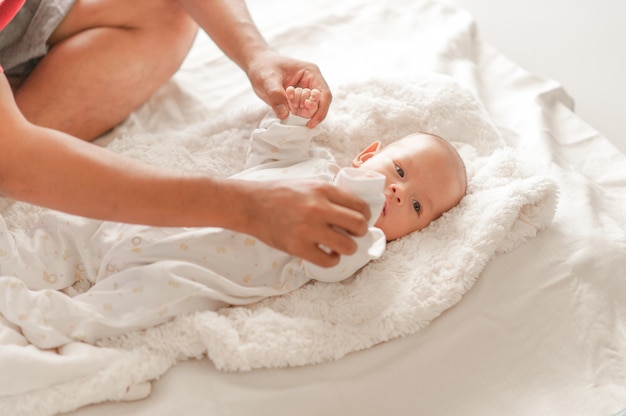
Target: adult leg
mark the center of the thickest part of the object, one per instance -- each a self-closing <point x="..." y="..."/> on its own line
<point x="106" y="58"/>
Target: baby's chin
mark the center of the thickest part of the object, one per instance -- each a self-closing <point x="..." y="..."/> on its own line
<point x="393" y="234"/>
<point x="380" y="224"/>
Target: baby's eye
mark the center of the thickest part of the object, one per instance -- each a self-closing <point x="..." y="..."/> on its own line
<point x="416" y="206"/>
<point x="400" y="171"/>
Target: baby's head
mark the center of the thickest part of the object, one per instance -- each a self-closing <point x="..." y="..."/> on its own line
<point x="425" y="177"/>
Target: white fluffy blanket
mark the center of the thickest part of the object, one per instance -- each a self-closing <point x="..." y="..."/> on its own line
<point x="418" y="277"/>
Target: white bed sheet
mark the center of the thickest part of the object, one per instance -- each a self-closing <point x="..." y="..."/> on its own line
<point x="576" y="43"/>
<point x="549" y="339"/>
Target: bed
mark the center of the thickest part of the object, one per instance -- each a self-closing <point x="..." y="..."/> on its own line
<point x="541" y="327"/>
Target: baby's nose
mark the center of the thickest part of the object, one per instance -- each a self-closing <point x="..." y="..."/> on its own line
<point x="398" y="193"/>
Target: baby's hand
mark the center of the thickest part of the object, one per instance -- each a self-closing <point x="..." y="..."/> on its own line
<point x="303" y="102"/>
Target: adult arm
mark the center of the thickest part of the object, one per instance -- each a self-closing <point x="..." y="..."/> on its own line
<point x="230" y="25"/>
<point x="55" y="170"/>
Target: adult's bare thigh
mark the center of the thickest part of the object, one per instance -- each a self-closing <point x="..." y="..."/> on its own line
<point x="125" y="14"/>
<point x="106" y="58"/>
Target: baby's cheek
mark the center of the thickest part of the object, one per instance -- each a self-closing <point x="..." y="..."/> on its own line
<point x="397" y="229"/>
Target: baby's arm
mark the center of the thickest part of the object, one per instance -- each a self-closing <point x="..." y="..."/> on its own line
<point x="289" y="139"/>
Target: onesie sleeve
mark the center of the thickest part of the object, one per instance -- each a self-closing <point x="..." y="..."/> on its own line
<point x="369" y="247"/>
<point x="276" y="140"/>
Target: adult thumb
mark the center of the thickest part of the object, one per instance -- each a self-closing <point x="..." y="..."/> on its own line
<point x="277" y="99"/>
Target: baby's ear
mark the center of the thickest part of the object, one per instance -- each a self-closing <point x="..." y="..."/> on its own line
<point x="367" y="153"/>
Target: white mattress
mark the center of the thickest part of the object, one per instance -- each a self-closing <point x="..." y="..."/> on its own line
<point x="543" y="330"/>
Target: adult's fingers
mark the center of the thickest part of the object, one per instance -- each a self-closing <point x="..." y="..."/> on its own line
<point x="350" y="213"/>
<point x="276" y="97"/>
<point x="322" y="110"/>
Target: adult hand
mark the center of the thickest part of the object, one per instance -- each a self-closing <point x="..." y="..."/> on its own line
<point x="301" y="216"/>
<point x="271" y="73"/>
<point x="230" y="25"/>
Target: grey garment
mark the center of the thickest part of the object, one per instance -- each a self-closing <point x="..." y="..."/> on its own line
<point x="24" y="39"/>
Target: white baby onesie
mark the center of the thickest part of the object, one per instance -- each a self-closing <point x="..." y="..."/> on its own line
<point x="127" y="277"/>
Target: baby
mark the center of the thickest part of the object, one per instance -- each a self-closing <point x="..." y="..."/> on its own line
<point x="123" y="277"/>
<point x="424" y="174"/>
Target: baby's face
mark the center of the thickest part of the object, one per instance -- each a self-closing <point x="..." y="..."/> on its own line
<point x="422" y="182"/>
